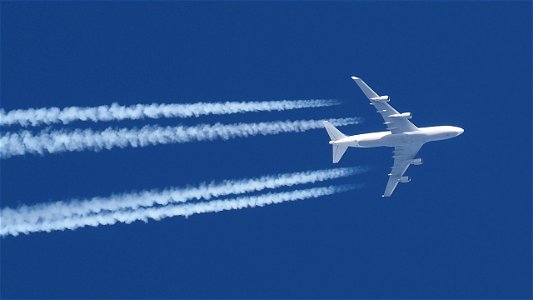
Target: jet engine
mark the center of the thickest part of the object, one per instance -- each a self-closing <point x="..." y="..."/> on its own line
<point x="417" y="161"/>
<point x="381" y="99"/>
<point x="405" y="115"/>
<point x="404" y="179"/>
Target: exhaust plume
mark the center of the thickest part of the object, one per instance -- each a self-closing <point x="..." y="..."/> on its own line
<point x="48" y="142"/>
<point x="116" y="112"/>
<point x="148" y="198"/>
<point x="158" y="213"/>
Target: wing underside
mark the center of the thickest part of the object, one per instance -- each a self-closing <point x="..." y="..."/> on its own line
<point x="403" y="157"/>
<point x="394" y="124"/>
<point x="387" y="112"/>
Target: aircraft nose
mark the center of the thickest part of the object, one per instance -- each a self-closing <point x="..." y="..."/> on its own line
<point x="460" y="130"/>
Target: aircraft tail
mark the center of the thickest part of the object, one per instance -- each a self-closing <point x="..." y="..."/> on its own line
<point x="334" y="135"/>
<point x="333" y="132"/>
<point x="338" y="152"/>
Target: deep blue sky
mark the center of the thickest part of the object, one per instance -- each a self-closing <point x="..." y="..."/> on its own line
<point x="461" y="229"/>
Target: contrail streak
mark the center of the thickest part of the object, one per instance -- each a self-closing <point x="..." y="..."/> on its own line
<point x="158" y="213"/>
<point x="116" y="112"/>
<point x="24" y="142"/>
<point x="204" y="191"/>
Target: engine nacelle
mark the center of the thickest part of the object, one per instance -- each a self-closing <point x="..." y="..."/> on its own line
<point x="405" y="115"/>
<point x="381" y="99"/>
<point x="417" y="161"/>
<point x="404" y="179"/>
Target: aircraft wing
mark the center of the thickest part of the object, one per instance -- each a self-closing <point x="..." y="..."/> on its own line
<point x="394" y="124"/>
<point x="403" y="156"/>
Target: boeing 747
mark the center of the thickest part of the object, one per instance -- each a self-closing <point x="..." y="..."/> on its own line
<point x="402" y="134"/>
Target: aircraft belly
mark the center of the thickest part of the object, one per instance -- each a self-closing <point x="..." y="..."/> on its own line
<point x="391" y="140"/>
<point x="404" y="139"/>
<point x="370" y="143"/>
<point x="381" y="142"/>
<point x="374" y="140"/>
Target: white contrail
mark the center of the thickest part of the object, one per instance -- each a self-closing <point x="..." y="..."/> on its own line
<point x="23" y="142"/>
<point x="116" y="112"/>
<point x="204" y="191"/>
<point x="158" y="213"/>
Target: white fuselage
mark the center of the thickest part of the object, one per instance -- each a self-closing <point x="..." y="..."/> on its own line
<point x="388" y="139"/>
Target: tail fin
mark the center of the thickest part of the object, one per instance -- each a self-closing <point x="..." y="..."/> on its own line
<point x="334" y="135"/>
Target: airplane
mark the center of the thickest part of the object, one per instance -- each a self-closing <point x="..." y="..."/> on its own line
<point x="402" y="134"/>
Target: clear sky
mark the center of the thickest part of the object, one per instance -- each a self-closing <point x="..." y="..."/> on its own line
<point x="461" y="229"/>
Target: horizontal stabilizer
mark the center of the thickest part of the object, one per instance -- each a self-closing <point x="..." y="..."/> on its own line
<point x="333" y="132"/>
<point x="338" y="152"/>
